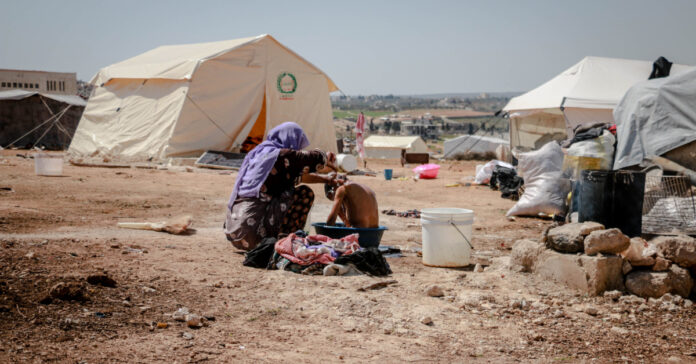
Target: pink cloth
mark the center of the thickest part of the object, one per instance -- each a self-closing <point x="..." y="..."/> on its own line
<point x="298" y="250"/>
<point x="359" y="130"/>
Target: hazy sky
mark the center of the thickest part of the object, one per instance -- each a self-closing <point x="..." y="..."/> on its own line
<point x="367" y="47"/>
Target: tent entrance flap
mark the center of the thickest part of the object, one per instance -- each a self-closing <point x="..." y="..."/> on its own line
<point x="258" y="131"/>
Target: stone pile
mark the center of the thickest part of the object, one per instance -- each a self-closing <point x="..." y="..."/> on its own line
<point x="592" y="259"/>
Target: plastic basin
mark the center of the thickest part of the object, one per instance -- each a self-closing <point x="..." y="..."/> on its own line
<point x="367" y="237"/>
<point x="427" y="171"/>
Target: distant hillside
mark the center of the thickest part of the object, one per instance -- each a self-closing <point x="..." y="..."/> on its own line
<point x="466" y="95"/>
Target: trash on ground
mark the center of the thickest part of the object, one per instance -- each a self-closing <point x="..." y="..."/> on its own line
<point x="378" y="285"/>
<point x="415" y="213"/>
<point x="175" y="226"/>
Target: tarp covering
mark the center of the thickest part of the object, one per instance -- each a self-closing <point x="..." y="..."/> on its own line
<point x="655" y="117"/>
<point x="382" y="146"/>
<point x="472" y="144"/>
<point x="22" y="94"/>
<point x="586" y="92"/>
<point x="183" y="100"/>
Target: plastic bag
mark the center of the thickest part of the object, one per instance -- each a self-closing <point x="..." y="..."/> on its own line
<point x="548" y="158"/>
<point x="601" y="147"/>
<point x="544" y="194"/>
<point x="484" y="173"/>
<point x="545" y="189"/>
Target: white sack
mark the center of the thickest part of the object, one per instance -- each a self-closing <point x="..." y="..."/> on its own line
<point x="483" y="175"/>
<point x="545" y="190"/>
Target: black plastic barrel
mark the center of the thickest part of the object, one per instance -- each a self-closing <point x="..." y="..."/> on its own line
<point x="612" y="198"/>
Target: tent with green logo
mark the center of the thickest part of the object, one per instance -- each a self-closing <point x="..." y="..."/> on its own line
<point x="184" y="99"/>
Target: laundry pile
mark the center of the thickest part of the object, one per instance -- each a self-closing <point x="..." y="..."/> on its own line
<point x="507" y="181"/>
<point x="409" y="213"/>
<point x="318" y="255"/>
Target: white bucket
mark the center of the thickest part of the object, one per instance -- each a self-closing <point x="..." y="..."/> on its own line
<point x="347" y="162"/>
<point x="48" y="164"/>
<point x="443" y="243"/>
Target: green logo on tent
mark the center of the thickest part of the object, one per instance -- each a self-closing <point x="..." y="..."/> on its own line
<point x="287" y="83"/>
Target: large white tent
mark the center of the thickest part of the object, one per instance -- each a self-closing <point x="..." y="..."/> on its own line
<point x="387" y="147"/>
<point x="184" y="99"/>
<point x="586" y="92"/>
<point x="657" y="117"/>
<point x="472" y="144"/>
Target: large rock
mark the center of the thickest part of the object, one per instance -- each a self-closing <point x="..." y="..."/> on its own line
<point x="570" y="238"/>
<point x="680" y="249"/>
<point x="656" y="284"/>
<point x="524" y="254"/>
<point x="606" y="241"/>
<point x="589" y="274"/>
<point x="638" y="254"/>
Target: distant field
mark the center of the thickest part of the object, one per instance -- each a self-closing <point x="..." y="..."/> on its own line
<point x="342" y="114"/>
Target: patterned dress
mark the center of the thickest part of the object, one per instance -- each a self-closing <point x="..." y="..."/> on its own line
<point x="281" y="207"/>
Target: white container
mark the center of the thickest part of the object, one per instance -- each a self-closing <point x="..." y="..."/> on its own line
<point x="347" y="162"/>
<point x="48" y="164"/>
<point x="446" y="236"/>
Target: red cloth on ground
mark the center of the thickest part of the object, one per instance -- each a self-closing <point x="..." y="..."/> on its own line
<point x="295" y="249"/>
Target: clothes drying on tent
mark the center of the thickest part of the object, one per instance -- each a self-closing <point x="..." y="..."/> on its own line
<point x="587" y="92"/>
<point x="182" y="100"/>
<point x="657" y="117"/>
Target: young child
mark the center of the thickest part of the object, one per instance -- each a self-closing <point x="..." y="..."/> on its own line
<point x="354" y="203"/>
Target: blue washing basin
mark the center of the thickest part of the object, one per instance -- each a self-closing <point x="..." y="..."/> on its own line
<point x="368" y="237"/>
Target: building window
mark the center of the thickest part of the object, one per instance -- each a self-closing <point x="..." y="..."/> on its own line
<point x="3" y="84"/>
<point x="26" y="85"/>
<point x="36" y="85"/>
<point x="14" y="84"/>
<point x="31" y="85"/>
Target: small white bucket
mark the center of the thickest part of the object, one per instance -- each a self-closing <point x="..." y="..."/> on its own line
<point x="347" y="162"/>
<point x="446" y="236"/>
<point x="48" y="164"/>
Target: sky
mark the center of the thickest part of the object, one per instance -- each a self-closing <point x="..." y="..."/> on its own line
<point x="367" y="47"/>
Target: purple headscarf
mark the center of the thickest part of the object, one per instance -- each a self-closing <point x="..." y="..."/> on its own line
<point x="259" y="162"/>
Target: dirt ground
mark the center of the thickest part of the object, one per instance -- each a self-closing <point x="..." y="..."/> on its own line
<point x="61" y="230"/>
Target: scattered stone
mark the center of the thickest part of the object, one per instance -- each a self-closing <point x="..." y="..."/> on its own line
<point x="478" y="268"/>
<point x="661" y="265"/>
<point x="611" y="241"/>
<point x="434" y="291"/>
<point x="631" y="300"/>
<point x="427" y="321"/>
<point x="180" y="314"/>
<point x="194" y="321"/>
<point x="680" y="249"/>
<point x="655" y="284"/>
<point x="688" y="303"/>
<point x="538" y="321"/>
<point x="643" y="307"/>
<point x="589" y="274"/>
<point x="558" y="314"/>
<point x="613" y="295"/>
<point x="187" y="335"/>
<point x="591" y="310"/>
<point x="29" y="255"/>
<point x="626" y="267"/>
<point x="101" y="280"/>
<point x="520" y="304"/>
<point x="144" y="308"/>
<point x="147" y="289"/>
<point x="524" y="254"/>
<point x="570" y="238"/>
<point x="619" y="330"/>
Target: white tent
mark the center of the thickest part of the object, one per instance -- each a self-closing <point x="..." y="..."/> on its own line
<point x="472" y="144"/>
<point x="586" y="92"/>
<point x="656" y="117"/>
<point x="379" y="146"/>
<point x="184" y="99"/>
